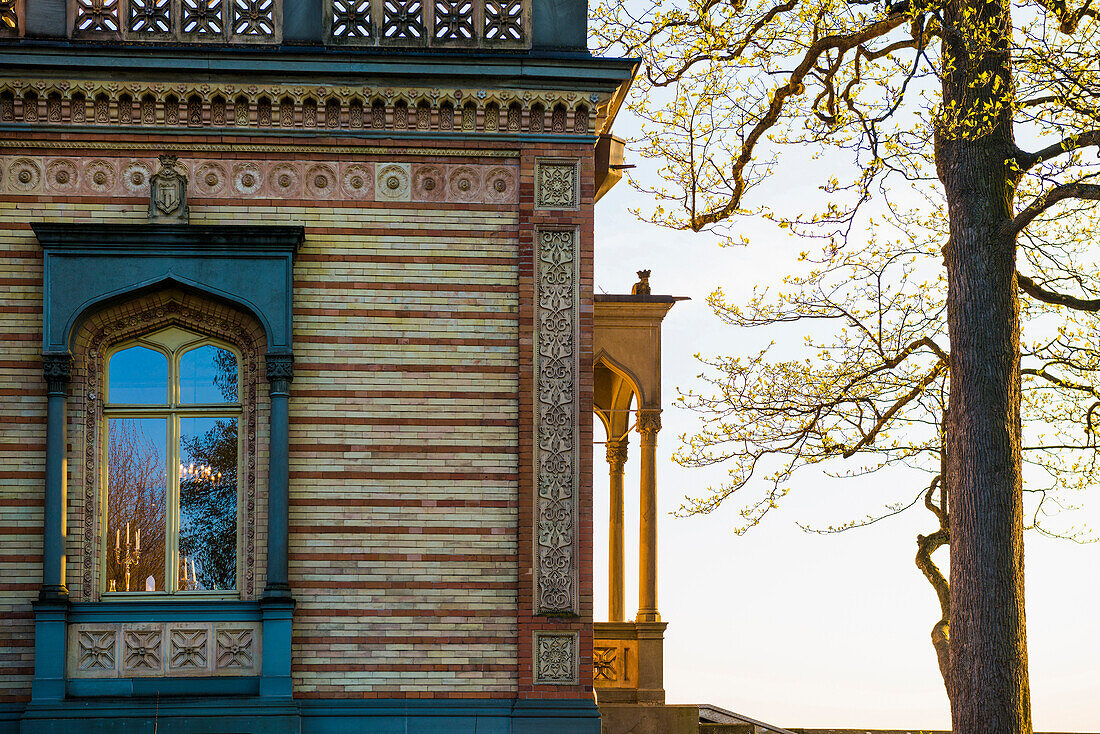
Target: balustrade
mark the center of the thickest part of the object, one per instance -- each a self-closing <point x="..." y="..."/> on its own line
<point x="387" y="23"/>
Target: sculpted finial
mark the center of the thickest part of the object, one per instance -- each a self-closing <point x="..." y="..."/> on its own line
<point x="641" y="288"/>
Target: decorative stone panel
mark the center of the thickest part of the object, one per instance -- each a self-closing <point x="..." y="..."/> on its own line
<point x="142" y="650"/>
<point x="156" y="649"/>
<point x="557" y="656"/>
<point x="190" y="649"/>
<point x="394" y="182"/>
<point x="93" y="651"/>
<point x="111" y="103"/>
<point x="615" y="663"/>
<point x="556" y="421"/>
<point x="236" y="649"/>
<point x="557" y="185"/>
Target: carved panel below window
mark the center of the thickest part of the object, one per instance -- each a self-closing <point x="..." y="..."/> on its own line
<point x="154" y="649"/>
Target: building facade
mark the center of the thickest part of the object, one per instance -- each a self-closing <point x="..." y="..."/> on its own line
<point x="297" y="317"/>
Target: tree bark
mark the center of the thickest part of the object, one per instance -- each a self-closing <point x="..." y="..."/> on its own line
<point x="988" y="654"/>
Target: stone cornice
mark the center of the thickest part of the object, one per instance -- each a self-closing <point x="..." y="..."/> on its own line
<point x="300" y="108"/>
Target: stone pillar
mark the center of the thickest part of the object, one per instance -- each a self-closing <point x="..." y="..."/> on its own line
<point x="280" y="371"/>
<point x="649" y="423"/>
<point x="277" y="604"/>
<point x="51" y="609"/>
<point x="616" y="459"/>
<point x="57" y="369"/>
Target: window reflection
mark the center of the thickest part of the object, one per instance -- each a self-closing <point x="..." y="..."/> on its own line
<point x="208" y="375"/>
<point x="138" y="375"/>
<point x="136" y="504"/>
<point x="208" y="504"/>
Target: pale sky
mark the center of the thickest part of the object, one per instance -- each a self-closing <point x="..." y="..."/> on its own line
<point x="797" y="629"/>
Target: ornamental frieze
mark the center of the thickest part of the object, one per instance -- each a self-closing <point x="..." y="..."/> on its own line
<point x="156" y="649"/>
<point x="556" y="421"/>
<point x="302" y="179"/>
<point x="271" y="107"/>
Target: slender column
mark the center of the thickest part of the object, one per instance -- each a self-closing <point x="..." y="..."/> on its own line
<point x="57" y="369"/>
<point x="616" y="459"/>
<point x="280" y="371"/>
<point x="51" y="609"/>
<point x="649" y="423"/>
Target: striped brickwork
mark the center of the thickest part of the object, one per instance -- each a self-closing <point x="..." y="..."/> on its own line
<point x="22" y="446"/>
<point x="412" y="482"/>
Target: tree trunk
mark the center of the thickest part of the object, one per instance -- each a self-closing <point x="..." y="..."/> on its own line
<point x="988" y="654"/>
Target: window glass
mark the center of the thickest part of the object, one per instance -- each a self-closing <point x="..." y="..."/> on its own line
<point x="208" y="503"/>
<point x="136" y="503"/>
<point x="138" y="375"/>
<point x="208" y="375"/>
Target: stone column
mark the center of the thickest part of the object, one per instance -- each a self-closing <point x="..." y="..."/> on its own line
<point x="277" y="604"/>
<point x="616" y="459"/>
<point x="51" y="609"/>
<point x="280" y="371"/>
<point x="57" y="369"/>
<point x="649" y="423"/>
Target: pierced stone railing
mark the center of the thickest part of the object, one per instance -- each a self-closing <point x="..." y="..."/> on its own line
<point x="392" y="23"/>
<point x="189" y="21"/>
<point x="427" y="22"/>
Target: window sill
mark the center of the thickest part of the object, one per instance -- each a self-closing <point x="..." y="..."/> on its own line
<point x="165" y="609"/>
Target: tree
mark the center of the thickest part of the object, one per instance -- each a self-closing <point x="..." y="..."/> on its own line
<point x="930" y="94"/>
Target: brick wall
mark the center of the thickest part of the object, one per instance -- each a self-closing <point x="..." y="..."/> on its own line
<point x="411" y="553"/>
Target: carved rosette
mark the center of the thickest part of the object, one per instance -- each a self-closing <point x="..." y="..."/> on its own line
<point x="556" y="429"/>
<point x="556" y="185"/>
<point x="556" y="658"/>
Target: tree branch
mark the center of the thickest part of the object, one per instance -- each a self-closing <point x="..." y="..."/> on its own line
<point x="1073" y="142"/>
<point x="1033" y="289"/>
<point x="1074" y="190"/>
<point x="793" y="87"/>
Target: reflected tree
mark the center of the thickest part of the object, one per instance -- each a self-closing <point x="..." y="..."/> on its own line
<point x="135" y="502"/>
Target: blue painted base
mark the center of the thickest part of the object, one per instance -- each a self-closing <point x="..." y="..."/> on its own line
<point x="256" y="715"/>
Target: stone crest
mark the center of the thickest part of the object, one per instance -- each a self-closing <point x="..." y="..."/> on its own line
<point x="168" y="193"/>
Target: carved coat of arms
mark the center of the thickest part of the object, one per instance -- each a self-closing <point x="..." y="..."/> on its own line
<point x="168" y="193"/>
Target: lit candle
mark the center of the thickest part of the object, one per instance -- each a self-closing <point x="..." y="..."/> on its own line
<point x="194" y="579"/>
<point x="137" y="540"/>
<point x="127" y="536"/>
<point x="185" y="569"/>
<point x="118" y="537"/>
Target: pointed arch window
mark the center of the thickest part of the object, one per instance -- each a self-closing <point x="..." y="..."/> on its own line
<point x="170" y="483"/>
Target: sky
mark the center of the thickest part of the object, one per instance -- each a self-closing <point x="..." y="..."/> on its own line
<point x="799" y="629"/>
